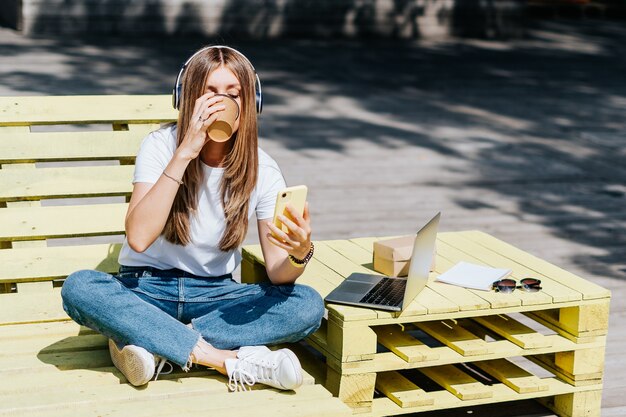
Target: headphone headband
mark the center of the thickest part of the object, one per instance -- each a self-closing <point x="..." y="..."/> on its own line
<point x="176" y="93"/>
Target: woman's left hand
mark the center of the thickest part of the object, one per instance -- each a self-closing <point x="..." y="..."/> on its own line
<point x="297" y="242"/>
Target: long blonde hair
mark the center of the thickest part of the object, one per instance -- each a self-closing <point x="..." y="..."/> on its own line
<point x="240" y="164"/>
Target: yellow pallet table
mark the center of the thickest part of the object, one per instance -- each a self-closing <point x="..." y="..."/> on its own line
<point x="462" y="345"/>
<point x="49" y="365"/>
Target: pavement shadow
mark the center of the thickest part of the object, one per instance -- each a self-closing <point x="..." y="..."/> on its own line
<point x="537" y="122"/>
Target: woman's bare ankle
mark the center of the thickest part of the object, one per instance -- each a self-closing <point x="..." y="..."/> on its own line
<point x="205" y="354"/>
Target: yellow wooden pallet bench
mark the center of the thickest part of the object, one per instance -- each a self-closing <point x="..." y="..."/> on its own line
<point x="454" y="347"/>
<point x="48" y="364"/>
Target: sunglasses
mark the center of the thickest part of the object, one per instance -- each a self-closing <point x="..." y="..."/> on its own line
<point x="508" y="285"/>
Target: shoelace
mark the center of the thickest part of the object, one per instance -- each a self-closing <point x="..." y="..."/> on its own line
<point x="161" y="362"/>
<point x="242" y="378"/>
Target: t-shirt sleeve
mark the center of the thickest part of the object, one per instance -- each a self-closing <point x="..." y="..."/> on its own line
<point x="271" y="185"/>
<point x="152" y="158"/>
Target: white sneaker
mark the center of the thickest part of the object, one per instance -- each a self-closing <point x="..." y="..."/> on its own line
<point x="137" y="364"/>
<point x="279" y="369"/>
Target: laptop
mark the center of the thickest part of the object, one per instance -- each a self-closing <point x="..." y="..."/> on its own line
<point x="391" y="293"/>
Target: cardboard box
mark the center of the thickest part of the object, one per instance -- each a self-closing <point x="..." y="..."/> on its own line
<point x="392" y="256"/>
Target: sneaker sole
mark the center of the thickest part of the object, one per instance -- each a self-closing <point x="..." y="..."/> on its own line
<point x="295" y="361"/>
<point x="128" y="361"/>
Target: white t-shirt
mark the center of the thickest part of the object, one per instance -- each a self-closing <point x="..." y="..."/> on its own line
<point x="202" y="255"/>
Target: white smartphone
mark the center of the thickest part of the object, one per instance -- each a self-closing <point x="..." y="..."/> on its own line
<point x="296" y="196"/>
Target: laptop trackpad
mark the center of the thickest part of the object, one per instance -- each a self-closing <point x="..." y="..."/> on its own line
<point x="360" y="288"/>
<point x="351" y="291"/>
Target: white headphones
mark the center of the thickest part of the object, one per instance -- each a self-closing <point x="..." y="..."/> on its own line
<point x="178" y="87"/>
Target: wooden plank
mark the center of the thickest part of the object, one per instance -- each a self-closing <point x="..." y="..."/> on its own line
<point x="513" y="330"/>
<point x="356" y="390"/>
<point x="501" y="393"/>
<point x="44" y="183"/>
<point x="554" y="289"/>
<point x="466" y="299"/>
<point x="189" y="397"/>
<point x="25" y="382"/>
<point x="513" y="376"/>
<point x="60" y="361"/>
<point x="19" y="111"/>
<point x="456" y="337"/>
<point x="37" y="330"/>
<point x="576" y="322"/>
<point x="587" y="288"/>
<point x="434" y="302"/>
<point x="47" y="263"/>
<point x="453" y="256"/>
<point x="389" y="361"/>
<point x="458" y="382"/>
<point x="33" y="287"/>
<point x="52" y="344"/>
<point x="579" y="367"/>
<point x="352" y="343"/>
<point x="67" y="146"/>
<point x="403" y="344"/>
<point x="402" y="391"/>
<point x="336" y="261"/>
<point x="62" y="221"/>
<point x="579" y="404"/>
<point x="465" y="253"/>
<point x="31" y="308"/>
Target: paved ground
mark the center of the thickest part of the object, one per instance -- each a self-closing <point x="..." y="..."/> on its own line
<point x="525" y="140"/>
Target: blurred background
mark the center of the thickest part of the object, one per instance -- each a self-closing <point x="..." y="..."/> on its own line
<point x="508" y="116"/>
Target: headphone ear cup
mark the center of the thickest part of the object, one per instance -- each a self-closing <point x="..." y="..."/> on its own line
<point x="258" y="94"/>
<point x="259" y="102"/>
<point x="176" y="96"/>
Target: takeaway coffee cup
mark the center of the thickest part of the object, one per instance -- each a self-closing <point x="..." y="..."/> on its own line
<point x="222" y="128"/>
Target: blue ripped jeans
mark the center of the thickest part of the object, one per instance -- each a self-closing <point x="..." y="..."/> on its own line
<point x="150" y="308"/>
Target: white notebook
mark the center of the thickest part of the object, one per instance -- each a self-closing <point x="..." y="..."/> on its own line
<point x="468" y="275"/>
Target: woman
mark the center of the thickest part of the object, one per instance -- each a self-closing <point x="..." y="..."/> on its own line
<point x="174" y="298"/>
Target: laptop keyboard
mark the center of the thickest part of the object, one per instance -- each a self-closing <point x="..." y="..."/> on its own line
<point x="388" y="292"/>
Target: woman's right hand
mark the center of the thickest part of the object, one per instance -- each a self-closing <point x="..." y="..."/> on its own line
<point x="204" y="114"/>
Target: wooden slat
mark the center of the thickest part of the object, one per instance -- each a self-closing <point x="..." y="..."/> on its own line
<point x="65" y="146"/>
<point x="513" y="376"/>
<point x="516" y="332"/>
<point x="389" y="361"/>
<point x="338" y="262"/>
<point x="466" y="299"/>
<point x="587" y="288"/>
<point x="33" y="287"/>
<point x="458" y="382"/>
<point x="465" y="253"/>
<point x="66" y="221"/>
<point x="31" y="308"/>
<point x="186" y="397"/>
<point x="17" y="111"/>
<point x="402" y="391"/>
<point x="47" y="263"/>
<point x="501" y="393"/>
<point x="453" y="256"/>
<point x="403" y="344"/>
<point x="65" y="182"/>
<point x="555" y="289"/>
<point x="456" y="337"/>
<point x="591" y="319"/>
